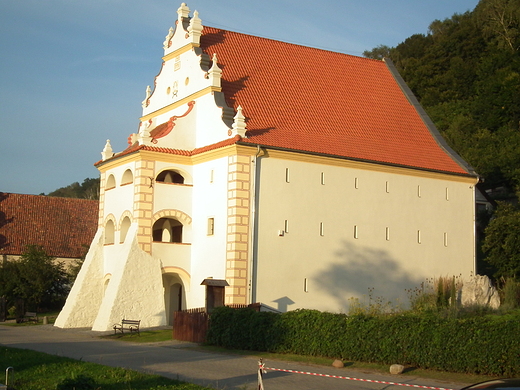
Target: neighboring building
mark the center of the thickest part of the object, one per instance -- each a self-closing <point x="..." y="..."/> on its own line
<point x="299" y="177"/>
<point x="63" y="227"/>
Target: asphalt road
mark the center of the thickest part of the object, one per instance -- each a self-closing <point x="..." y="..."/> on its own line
<point x="179" y="360"/>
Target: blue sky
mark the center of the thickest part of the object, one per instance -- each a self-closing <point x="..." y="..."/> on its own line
<point x="74" y="72"/>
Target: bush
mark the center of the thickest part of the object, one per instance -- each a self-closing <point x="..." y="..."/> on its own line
<point x="486" y="345"/>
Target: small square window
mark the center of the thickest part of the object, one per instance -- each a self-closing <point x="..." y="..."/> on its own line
<point x="211" y="226"/>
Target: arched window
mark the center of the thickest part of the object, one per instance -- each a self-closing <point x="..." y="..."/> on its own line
<point x="125" y="225"/>
<point x="167" y="230"/>
<point x="111" y="182"/>
<point x="170" y="176"/>
<point x="105" y="285"/>
<point x="128" y="177"/>
<point x="109" y="232"/>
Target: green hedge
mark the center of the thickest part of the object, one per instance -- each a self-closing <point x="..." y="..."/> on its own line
<point x="482" y="345"/>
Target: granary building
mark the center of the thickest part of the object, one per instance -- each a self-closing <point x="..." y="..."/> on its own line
<point x="293" y="176"/>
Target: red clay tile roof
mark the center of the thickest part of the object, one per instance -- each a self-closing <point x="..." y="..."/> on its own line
<point x="318" y="101"/>
<point x="62" y="226"/>
<point x="135" y="147"/>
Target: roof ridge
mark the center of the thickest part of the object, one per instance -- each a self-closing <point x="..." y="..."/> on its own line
<point x="289" y="43"/>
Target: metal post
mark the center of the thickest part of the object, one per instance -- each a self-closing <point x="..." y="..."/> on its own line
<point x="261" y="372"/>
<point x="7" y="375"/>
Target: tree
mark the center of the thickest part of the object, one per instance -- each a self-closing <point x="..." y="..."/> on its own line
<point x="9" y="277"/>
<point x="36" y="278"/>
<point x="502" y="242"/>
<point x="500" y="19"/>
<point x="377" y="53"/>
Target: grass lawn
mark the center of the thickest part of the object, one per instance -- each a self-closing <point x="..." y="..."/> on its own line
<point x="39" y="371"/>
<point x="147" y="336"/>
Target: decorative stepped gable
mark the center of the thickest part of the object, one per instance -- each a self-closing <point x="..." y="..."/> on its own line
<point x="186" y="109"/>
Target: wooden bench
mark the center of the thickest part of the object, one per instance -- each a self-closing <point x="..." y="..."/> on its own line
<point x="131" y="325"/>
<point x="30" y="316"/>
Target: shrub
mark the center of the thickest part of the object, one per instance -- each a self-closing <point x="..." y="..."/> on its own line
<point x="481" y="345"/>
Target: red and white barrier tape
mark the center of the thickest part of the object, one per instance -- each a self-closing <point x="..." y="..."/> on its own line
<point x="262" y="368"/>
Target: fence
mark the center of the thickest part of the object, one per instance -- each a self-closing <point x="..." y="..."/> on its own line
<point x="190" y="325"/>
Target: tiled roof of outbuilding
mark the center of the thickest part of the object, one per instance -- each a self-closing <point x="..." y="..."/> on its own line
<point x="64" y="227"/>
<point x="319" y="101"/>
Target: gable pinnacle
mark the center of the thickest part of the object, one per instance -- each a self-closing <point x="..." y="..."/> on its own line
<point x="183" y="12"/>
<point x="166" y="42"/>
<point x="148" y="93"/>
<point x="195" y="28"/>
<point x="215" y="73"/>
<point x="239" y="124"/>
<point x="144" y="137"/>
<point x="107" y="151"/>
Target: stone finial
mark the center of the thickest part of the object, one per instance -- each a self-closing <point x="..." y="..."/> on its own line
<point x="107" y="151"/>
<point x="215" y="73"/>
<point x="195" y="28"/>
<point x="183" y="12"/>
<point x="148" y="93"/>
<point x="166" y="42"/>
<point x="144" y="137"/>
<point x="239" y="124"/>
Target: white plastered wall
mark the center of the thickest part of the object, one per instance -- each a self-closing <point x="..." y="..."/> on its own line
<point x="82" y="305"/>
<point x="135" y="289"/>
<point x="209" y="201"/>
<point x="407" y="230"/>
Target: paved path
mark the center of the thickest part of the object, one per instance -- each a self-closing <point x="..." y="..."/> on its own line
<point x="182" y="361"/>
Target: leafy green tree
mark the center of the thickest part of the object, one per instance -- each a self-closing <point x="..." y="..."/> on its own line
<point x="500" y="20"/>
<point x="9" y="278"/>
<point x="36" y="278"/>
<point x="502" y="242"/>
<point x="378" y="53"/>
